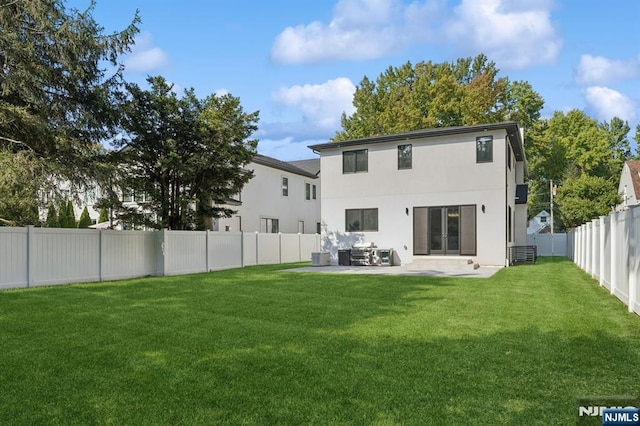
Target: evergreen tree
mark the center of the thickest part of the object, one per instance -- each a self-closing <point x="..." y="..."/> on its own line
<point x="62" y="214"/>
<point x="85" y="219"/>
<point x="60" y="92"/>
<point x="52" y="217"/>
<point x="104" y="216"/>
<point x="184" y="152"/>
<point x="71" y="216"/>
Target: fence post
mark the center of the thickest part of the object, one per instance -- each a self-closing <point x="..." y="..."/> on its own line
<point x="594" y="248"/>
<point x="602" y="253"/>
<point x="257" y="248"/>
<point x="161" y="253"/>
<point x="242" y="249"/>
<point x="279" y="247"/>
<point x="206" y="251"/>
<point x="100" y="252"/>
<point x="588" y="248"/>
<point x="30" y="254"/>
<point x="614" y="252"/>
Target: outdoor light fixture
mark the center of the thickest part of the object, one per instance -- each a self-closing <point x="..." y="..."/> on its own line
<point x="483" y="208"/>
<point x="406" y="210"/>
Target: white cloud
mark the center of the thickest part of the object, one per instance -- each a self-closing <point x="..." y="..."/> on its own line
<point x="600" y="70"/>
<point x="514" y="34"/>
<point x="145" y="57"/>
<point x="320" y="104"/>
<point x="360" y="29"/>
<point x="608" y="103"/>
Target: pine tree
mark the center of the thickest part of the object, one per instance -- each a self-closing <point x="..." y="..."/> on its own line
<point x="52" y="217"/>
<point x="71" y="216"/>
<point x="85" y="219"/>
<point x="104" y="216"/>
<point x="62" y="215"/>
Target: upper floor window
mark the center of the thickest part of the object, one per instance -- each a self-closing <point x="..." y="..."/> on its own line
<point x="484" y="149"/>
<point x="404" y="157"/>
<point x="314" y="192"/>
<point x="285" y="186"/>
<point x="307" y="191"/>
<point x="509" y="155"/>
<point x="355" y="161"/>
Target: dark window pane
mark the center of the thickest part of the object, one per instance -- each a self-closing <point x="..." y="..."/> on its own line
<point x="353" y="222"/>
<point x="348" y="162"/>
<point x="404" y="156"/>
<point x="362" y="163"/>
<point x="484" y="149"/>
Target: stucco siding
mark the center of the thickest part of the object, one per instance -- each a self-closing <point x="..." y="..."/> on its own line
<point x="444" y="173"/>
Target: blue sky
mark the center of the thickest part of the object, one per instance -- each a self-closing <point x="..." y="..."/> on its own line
<point x="298" y="62"/>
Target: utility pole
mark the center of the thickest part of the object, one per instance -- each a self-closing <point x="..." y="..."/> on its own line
<point x="552" y="191"/>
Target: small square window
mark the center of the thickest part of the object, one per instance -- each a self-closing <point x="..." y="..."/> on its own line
<point x="404" y="157"/>
<point x="484" y="149"/>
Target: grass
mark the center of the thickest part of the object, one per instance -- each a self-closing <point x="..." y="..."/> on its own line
<point x="263" y="346"/>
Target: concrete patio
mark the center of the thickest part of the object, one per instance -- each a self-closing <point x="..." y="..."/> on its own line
<point x="409" y="269"/>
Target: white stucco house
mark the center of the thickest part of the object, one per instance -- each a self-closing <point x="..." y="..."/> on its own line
<point x="455" y="192"/>
<point x="281" y="197"/>
<point x="629" y="187"/>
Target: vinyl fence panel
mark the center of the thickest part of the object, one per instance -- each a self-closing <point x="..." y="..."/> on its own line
<point x="128" y="254"/>
<point x="225" y="250"/>
<point x="14" y="257"/>
<point x="268" y="249"/>
<point x="61" y="256"/>
<point x="185" y="252"/>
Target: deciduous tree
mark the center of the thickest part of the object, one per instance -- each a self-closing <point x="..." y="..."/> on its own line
<point x="468" y="91"/>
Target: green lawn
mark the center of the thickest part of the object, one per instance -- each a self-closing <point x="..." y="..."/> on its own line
<point x="261" y="346"/>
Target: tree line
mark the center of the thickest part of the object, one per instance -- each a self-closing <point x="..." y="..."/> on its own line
<point x="582" y="156"/>
<point x="63" y="95"/>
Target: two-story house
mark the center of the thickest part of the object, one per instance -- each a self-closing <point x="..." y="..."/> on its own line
<point x="281" y="197"/>
<point x="455" y="191"/>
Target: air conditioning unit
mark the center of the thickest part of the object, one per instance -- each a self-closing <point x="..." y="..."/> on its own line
<point x="320" y="258"/>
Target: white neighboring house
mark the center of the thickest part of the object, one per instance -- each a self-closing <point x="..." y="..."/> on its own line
<point x="540" y="223"/>
<point x="86" y="197"/>
<point x="281" y="197"/>
<point x="456" y="191"/>
<point x="629" y="187"/>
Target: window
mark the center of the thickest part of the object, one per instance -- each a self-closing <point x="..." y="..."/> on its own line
<point x="285" y="186"/>
<point x="128" y="196"/>
<point x="271" y="226"/>
<point x="313" y="192"/>
<point x="318" y="228"/>
<point x="361" y="220"/>
<point x="509" y="223"/>
<point x="355" y="161"/>
<point x="484" y="149"/>
<point x="307" y="191"/>
<point x="509" y="155"/>
<point x="543" y="219"/>
<point x="404" y="157"/>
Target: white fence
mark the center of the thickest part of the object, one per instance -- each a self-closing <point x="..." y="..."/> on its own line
<point x="549" y="244"/>
<point x="32" y="256"/>
<point x="609" y="249"/>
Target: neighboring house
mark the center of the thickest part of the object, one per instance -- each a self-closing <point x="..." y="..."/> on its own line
<point x="86" y="197"/>
<point x="456" y="191"/>
<point x="540" y="223"/>
<point x="281" y="197"/>
<point x="629" y="188"/>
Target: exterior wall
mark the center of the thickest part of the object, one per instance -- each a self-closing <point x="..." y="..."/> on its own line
<point x="444" y="172"/>
<point x="262" y="198"/>
<point x="626" y="189"/>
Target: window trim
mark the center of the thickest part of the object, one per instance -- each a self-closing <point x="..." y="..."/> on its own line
<point x="356" y="153"/>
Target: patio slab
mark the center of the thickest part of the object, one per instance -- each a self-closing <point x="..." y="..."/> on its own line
<point x="481" y="272"/>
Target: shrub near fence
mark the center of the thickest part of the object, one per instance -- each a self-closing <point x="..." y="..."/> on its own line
<point x="608" y="248"/>
<point x="46" y="256"/>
